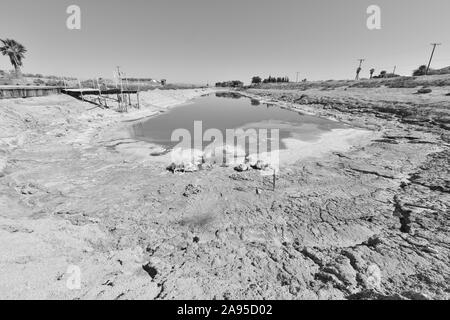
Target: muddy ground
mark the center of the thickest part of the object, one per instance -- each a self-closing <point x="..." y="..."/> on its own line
<point x="370" y="223"/>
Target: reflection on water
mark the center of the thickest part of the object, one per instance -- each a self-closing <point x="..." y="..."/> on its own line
<point x="232" y="95"/>
<point x="226" y="110"/>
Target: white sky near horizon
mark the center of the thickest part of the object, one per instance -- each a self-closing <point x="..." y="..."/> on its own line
<point x="195" y="41"/>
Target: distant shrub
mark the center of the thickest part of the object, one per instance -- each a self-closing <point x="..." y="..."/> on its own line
<point x="233" y="84"/>
<point x="421" y="71"/>
<point x="256" y="80"/>
<point x="271" y="79"/>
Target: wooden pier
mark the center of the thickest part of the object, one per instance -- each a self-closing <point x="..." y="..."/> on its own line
<point x="11" y="92"/>
<point x="101" y="97"/>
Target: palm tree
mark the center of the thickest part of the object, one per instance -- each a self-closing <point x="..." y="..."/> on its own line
<point x="357" y="73"/>
<point x="371" y="72"/>
<point x="15" y="51"/>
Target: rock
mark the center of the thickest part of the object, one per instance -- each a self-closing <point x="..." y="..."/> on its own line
<point x="260" y="165"/>
<point x="238" y="177"/>
<point x="430" y="249"/>
<point x="184" y="156"/>
<point x="191" y="190"/>
<point x="151" y="270"/>
<point x="15" y="229"/>
<point x="241" y="168"/>
<point x="190" y="167"/>
<point x="29" y="189"/>
<point x="172" y="167"/>
<point x="158" y="153"/>
<point x="373" y="241"/>
<point x="424" y="91"/>
<point x="60" y="134"/>
<point x="205" y="166"/>
<point x="183" y="167"/>
<point x="249" y="159"/>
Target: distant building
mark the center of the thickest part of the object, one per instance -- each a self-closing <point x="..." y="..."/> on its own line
<point x="163" y="82"/>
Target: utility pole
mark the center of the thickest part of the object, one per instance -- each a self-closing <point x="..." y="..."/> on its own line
<point x="360" y="62"/>
<point x="359" y="68"/>
<point x="432" y="53"/>
<point x="395" y="68"/>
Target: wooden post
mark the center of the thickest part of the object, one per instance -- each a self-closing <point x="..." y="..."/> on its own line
<point x="274" y="179"/>
<point x="119" y="77"/>
<point x="81" y="90"/>
<point x="99" y="92"/>
<point x="137" y="95"/>
<point x="124" y="106"/>
<point x="127" y="95"/>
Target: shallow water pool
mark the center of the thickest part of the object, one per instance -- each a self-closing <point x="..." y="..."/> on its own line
<point x="230" y="111"/>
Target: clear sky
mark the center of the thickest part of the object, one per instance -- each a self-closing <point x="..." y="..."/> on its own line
<point x="210" y="40"/>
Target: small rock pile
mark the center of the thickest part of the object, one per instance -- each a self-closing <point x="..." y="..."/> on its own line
<point x="424" y="91"/>
<point x="191" y="190"/>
